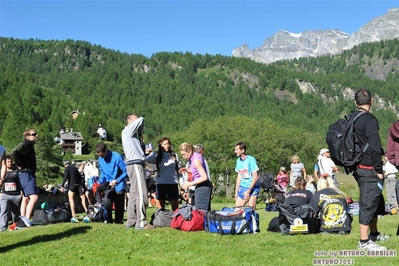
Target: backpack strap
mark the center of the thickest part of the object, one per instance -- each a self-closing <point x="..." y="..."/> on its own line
<point x="366" y="146"/>
<point x="321" y="166"/>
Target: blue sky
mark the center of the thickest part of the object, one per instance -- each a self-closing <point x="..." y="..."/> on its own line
<point x="213" y="27"/>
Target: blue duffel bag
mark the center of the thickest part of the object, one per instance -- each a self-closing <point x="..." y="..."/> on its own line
<point x="232" y="221"/>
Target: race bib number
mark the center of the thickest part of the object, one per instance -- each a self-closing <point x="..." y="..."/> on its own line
<point x="244" y="174"/>
<point x="9" y="187"/>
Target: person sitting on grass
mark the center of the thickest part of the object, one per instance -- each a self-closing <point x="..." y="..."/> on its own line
<point x="331" y="208"/>
<point x="299" y="195"/>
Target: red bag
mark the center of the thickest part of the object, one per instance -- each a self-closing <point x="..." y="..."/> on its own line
<point x="196" y="223"/>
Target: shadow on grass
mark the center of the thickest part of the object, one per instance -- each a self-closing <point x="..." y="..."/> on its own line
<point x="46" y="238"/>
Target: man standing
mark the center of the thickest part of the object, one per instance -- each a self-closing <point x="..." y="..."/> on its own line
<point x="369" y="174"/>
<point x="72" y="175"/>
<point x="113" y="172"/>
<point x="247" y="185"/>
<point x="326" y="166"/>
<point x="135" y="158"/>
<point x="24" y="157"/>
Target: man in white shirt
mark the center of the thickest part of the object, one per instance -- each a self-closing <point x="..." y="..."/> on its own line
<point x="326" y="166"/>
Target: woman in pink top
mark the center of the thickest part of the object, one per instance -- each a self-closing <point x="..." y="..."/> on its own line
<point x="199" y="177"/>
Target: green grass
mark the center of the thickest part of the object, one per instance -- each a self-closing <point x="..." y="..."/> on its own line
<point x="107" y="244"/>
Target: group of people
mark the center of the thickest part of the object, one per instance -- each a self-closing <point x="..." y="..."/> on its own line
<point x="324" y="167"/>
<point x="328" y="202"/>
<point x="116" y="172"/>
<point x="368" y="173"/>
<point x="18" y="175"/>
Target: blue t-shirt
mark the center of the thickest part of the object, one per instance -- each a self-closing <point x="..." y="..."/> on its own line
<point x="245" y="168"/>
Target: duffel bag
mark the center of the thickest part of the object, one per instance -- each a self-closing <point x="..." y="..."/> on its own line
<point x="40" y="217"/>
<point x="232" y="221"/>
<point x="162" y="218"/>
<point x="187" y="218"/>
<point x="61" y="213"/>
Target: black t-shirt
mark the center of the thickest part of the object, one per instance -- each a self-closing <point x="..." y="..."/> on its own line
<point x="298" y="197"/>
<point x="82" y="179"/>
<point x="366" y="127"/>
<point x="11" y="185"/>
<point x="72" y="175"/>
<point x="331" y="208"/>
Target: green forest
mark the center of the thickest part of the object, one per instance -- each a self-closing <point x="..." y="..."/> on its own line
<point x="211" y="99"/>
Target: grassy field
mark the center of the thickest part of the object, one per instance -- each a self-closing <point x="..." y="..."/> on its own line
<point x="107" y="244"/>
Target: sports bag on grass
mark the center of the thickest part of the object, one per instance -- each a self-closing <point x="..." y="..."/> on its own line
<point x="96" y="213"/>
<point x="345" y="150"/>
<point x="187" y="218"/>
<point x="58" y="214"/>
<point x="232" y="221"/>
<point x="40" y="217"/>
<point x="297" y="219"/>
<point x="162" y="218"/>
<point x="61" y="213"/>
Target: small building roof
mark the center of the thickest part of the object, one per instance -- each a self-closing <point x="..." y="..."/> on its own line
<point x="71" y="136"/>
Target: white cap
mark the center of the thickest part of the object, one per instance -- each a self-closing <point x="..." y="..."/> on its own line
<point x="322" y="151"/>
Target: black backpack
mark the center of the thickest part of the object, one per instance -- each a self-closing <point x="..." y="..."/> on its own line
<point x="266" y="181"/>
<point x="345" y="150"/>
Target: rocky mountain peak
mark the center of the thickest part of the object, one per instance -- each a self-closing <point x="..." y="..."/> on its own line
<point x="288" y="45"/>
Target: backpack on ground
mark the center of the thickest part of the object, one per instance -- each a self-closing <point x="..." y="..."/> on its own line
<point x="105" y="194"/>
<point x="232" y="221"/>
<point x="345" y="150"/>
<point x="40" y="217"/>
<point x="187" y="218"/>
<point x="162" y="218"/>
<point x="297" y="219"/>
<point x="61" y="213"/>
<point x="95" y="213"/>
<point x="274" y="225"/>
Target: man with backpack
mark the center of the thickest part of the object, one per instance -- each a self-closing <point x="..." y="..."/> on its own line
<point x="369" y="174"/>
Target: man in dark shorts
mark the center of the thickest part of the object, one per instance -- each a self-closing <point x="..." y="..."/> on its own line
<point x="24" y="157"/>
<point x="369" y="174"/>
<point x="72" y="175"/>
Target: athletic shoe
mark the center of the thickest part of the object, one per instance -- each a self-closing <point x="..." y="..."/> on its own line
<point x="371" y="246"/>
<point x="74" y="220"/>
<point x="86" y="219"/>
<point x="26" y="221"/>
<point x="147" y="227"/>
<point x="12" y="227"/>
<point x="380" y="237"/>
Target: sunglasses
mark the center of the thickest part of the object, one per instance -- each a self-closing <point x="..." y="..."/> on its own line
<point x="33" y="134"/>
